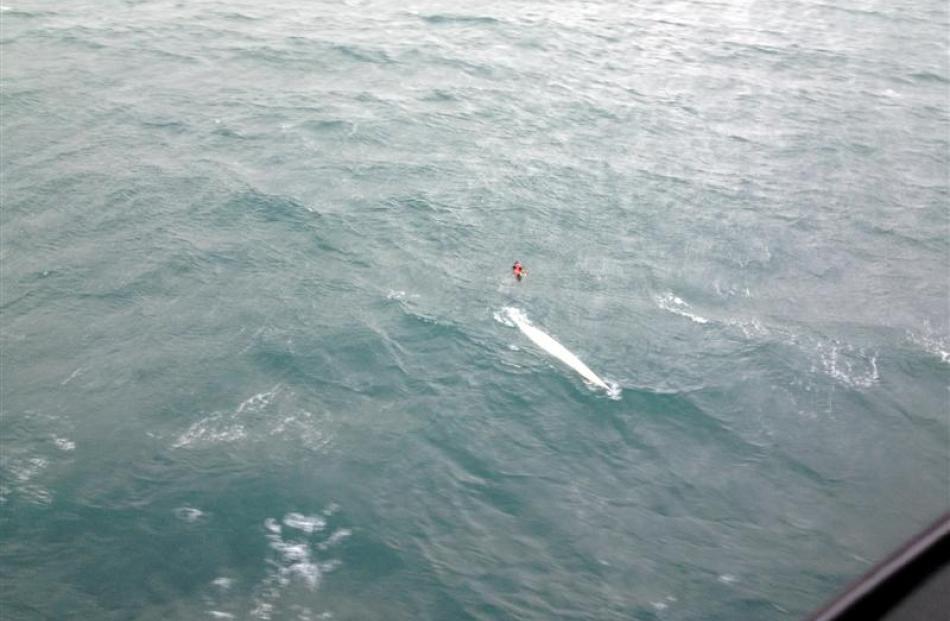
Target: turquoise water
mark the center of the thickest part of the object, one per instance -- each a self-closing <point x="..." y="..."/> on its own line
<point x="257" y="355"/>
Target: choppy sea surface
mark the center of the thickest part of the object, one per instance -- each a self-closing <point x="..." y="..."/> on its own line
<point x="258" y="351"/>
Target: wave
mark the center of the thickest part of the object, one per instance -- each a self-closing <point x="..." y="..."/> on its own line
<point x="363" y="54"/>
<point x="928" y="76"/>
<point x="440" y="94"/>
<point x="237" y="16"/>
<point x="464" y="20"/>
<point x="12" y="11"/>
<point x="515" y="317"/>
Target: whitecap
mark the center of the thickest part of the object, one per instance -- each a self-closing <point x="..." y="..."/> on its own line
<point x="305" y="427"/>
<point x="731" y="290"/>
<point x="71" y="376"/>
<point x="188" y="514"/>
<point x="309" y="572"/>
<point x="502" y="318"/>
<point x="614" y="391"/>
<point x="291" y="551"/>
<point x="221" y="427"/>
<point x="306" y="523"/>
<point x="282" y="424"/>
<point x="294" y="560"/>
<point x="546" y="342"/>
<point x="258" y="401"/>
<point x="936" y="346"/>
<point x="210" y="430"/>
<point x="262" y="610"/>
<point x="223" y="583"/>
<point x="25" y="470"/>
<point x="676" y="305"/>
<point x="64" y="444"/>
<point x="335" y="538"/>
<point x="848" y="365"/>
<point x="751" y="328"/>
<point x="36" y="494"/>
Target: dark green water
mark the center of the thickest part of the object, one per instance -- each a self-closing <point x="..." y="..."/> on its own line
<point x="254" y="261"/>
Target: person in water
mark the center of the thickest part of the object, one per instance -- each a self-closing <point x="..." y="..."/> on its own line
<point x="518" y="270"/>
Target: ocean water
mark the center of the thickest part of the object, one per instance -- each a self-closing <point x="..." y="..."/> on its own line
<point x="257" y="355"/>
